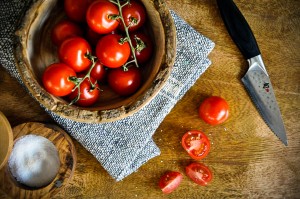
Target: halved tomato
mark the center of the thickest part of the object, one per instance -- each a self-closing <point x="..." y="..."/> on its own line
<point x="199" y="173"/>
<point x="170" y="181"/>
<point x="196" y="144"/>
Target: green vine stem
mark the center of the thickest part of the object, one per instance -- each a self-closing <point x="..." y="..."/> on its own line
<point x="133" y="21"/>
<point x="78" y="81"/>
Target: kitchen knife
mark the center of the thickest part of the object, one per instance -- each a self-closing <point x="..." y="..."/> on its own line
<point x="256" y="80"/>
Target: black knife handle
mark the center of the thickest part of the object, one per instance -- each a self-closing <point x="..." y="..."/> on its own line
<point x="238" y="28"/>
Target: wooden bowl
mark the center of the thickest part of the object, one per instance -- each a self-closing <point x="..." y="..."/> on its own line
<point x="6" y="140"/>
<point x="34" y="52"/>
<point x="67" y="156"/>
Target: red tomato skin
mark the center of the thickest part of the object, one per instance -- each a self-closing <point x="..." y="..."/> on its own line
<point x="123" y="82"/>
<point x="144" y="55"/>
<point x="111" y="53"/>
<point x="76" y="9"/>
<point x="199" y="173"/>
<point x="72" y="52"/>
<point x="87" y="96"/>
<point x="64" y="30"/>
<point x="214" y="110"/>
<point x="196" y="144"/>
<point x="56" y="79"/>
<point x="97" y="17"/>
<point x="136" y="10"/>
<point x="170" y="181"/>
<point x="99" y="72"/>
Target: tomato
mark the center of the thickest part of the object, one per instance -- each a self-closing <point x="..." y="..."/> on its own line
<point x="111" y="52"/>
<point x="64" y="30"/>
<point x="199" y="173"/>
<point x="214" y="110"/>
<point x="92" y="37"/>
<point x="143" y="55"/>
<point x="73" y="53"/>
<point x="97" y="17"/>
<point x="196" y="144"/>
<point x="99" y="72"/>
<point x="76" y="9"/>
<point x="134" y="10"/>
<point x="170" y="181"/>
<point x="88" y="94"/>
<point x="123" y="82"/>
<point x="56" y="79"/>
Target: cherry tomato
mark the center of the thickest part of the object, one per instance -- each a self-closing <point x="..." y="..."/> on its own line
<point x="131" y="12"/>
<point x="199" y="173"/>
<point x="111" y="52"/>
<point x="92" y="37"/>
<point x="73" y="53"/>
<point x="56" y="79"/>
<point x="196" y="144"/>
<point x="64" y="30"/>
<point x="88" y="94"/>
<point x="97" y="16"/>
<point x="76" y="9"/>
<point x="99" y="72"/>
<point x="214" y="110"/>
<point x="123" y="82"/>
<point x="143" y="55"/>
<point x="170" y="181"/>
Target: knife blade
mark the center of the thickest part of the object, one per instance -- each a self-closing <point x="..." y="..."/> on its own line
<point x="256" y="80"/>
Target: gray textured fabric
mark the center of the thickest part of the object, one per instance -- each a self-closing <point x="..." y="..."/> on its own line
<point x="123" y="146"/>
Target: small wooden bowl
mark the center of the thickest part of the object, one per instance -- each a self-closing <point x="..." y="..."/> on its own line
<point x="34" y="51"/>
<point x="67" y="156"/>
<point x="6" y="140"/>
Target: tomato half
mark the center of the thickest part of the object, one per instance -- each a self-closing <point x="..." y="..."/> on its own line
<point x="214" y="110"/>
<point x="133" y="11"/>
<point x="196" y="144"/>
<point x="143" y="55"/>
<point x="111" y="52"/>
<point x="97" y="17"/>
<point x="73" y="53"/>
<point x="56" y="79"/>
<point x="123" y="82"/>
<point x="76" y="9"/>
<point x="199" y="173"/>
<point x="64" y="30"/>
<point x="170" y="181"/>
<point x="88" y="94"/>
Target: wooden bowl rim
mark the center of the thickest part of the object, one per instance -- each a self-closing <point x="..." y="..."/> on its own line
<point x="85" y="115"/>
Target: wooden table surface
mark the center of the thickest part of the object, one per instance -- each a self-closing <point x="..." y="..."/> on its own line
<point x="246" y="158"/>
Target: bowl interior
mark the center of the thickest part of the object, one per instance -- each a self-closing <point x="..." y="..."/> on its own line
<point x="38" y="51"/>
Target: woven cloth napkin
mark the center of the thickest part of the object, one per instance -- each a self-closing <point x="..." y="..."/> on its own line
<point x="122" y="146"/>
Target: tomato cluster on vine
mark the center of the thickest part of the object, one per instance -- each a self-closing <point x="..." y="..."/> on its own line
<point x="98" y="42"/>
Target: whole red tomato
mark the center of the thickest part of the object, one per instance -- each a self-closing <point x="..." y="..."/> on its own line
<point x="56" y="79"/>
<point x="123" y="82"/>
<point x="111" y="52"/>
<point x="144" y="54"/>
<point x="170" y="181"/>
<point x="199" y="173"/>
<point x="64" y="30"/>
<point x="99" y="72"/>
<point x="196" y="144"/>
<point x="214" y="110"/>
<point x="73" y="53"/>
<point x="76" y="9"/>
<point x="134" y="15"/>
<point x="98" y="19"/>
<point x="88" y="94"/>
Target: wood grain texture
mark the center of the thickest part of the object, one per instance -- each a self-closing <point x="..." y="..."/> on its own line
<point x="67" y="156"/>
<point x="247" y="159"/>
